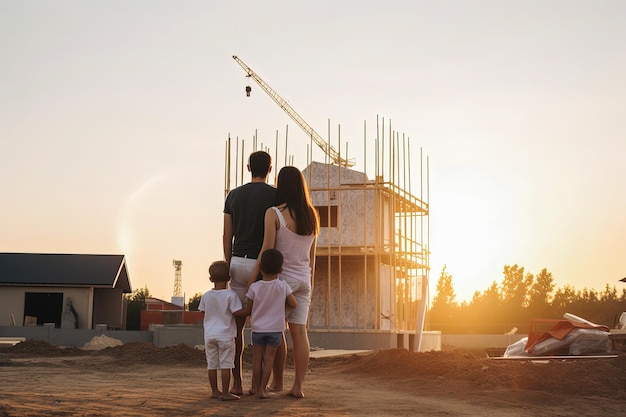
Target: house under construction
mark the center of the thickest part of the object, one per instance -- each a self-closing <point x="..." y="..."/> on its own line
<point x="372" y="258"/>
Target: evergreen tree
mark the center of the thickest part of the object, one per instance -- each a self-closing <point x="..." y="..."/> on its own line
<point x="444" y="307"/>
<point x="483" y="313"/>
<point x="514" y="290"/>
<point x="445" y="290"/>
<point x="564" y="297"/>
<point x="515" y="286"/>
<point x="540" y="295"/>
<point x="194" y="301"/>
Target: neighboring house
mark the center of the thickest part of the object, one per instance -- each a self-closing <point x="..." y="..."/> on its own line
<point x="69" y="290"/>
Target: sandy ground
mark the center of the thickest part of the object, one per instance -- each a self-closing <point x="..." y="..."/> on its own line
<point x="138" y="379"/>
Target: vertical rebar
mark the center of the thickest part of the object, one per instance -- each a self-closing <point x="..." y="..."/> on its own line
<point x="365" y="246"/>
<point x="243" y="159"/>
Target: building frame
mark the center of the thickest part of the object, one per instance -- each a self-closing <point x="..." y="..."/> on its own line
<point x="372" y="256"/>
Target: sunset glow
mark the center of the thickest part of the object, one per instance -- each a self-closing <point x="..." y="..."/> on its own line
<point x="114" y="134"/>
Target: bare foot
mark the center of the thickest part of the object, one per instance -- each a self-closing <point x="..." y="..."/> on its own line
<point x="296" y="394"/>
<point x="270" y="388"/>
<point x="237" y="389"/>
<point x="266" y="395"/>
<point x="228" y="397"/>
<point x="252" y="392"/>
<point x="216" y="394"/>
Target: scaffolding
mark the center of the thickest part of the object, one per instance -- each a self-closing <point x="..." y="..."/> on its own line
<point x="372" y="256"/>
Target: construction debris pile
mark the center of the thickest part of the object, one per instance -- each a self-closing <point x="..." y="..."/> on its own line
<point x="571" y="336"/>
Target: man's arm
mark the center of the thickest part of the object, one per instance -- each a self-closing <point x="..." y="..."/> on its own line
<point x="227" y="237"/>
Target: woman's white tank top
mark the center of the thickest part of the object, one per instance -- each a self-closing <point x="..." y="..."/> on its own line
<point x="296" y="250"/>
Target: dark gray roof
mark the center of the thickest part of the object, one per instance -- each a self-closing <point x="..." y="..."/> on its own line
<point x="69" y="270"/>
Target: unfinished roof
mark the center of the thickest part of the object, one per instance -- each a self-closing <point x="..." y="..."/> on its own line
<point x="69" y="270"/>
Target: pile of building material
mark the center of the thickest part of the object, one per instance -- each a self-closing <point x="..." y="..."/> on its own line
<point x="102" y="342"/>
<point x="571" y="336"/>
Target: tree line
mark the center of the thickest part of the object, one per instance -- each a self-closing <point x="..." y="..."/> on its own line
<point x="519" y="298"/>
<point x="512" y="303"/>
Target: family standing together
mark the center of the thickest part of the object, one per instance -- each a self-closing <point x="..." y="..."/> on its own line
<point x="269" y="244"/>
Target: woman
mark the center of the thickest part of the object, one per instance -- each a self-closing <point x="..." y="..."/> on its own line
<point x="292" y="227"/>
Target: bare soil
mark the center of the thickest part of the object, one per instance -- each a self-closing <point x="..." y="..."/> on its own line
<point x="139" y="379"/>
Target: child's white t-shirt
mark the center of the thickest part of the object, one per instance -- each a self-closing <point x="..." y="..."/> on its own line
<point x="268" y="308"/>
<point x="218" y="307"/>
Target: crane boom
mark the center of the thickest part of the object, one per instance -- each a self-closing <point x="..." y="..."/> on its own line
<point x="282" y="103"/>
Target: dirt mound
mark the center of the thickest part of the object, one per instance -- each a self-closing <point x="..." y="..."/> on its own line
<point x="126" y="354"/>
<point x="147" y="353"/>
<point x="457" y="370"/>
<point x="402" y="363"/>
<point x="41" y="348"/>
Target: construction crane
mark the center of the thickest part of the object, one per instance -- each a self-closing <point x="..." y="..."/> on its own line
<point x="332" y="153"/>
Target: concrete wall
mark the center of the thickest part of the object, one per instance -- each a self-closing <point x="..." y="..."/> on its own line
<point x="353" y="340"/>
<point x="344" y="303"/>
<point x="357" y="215"/>
<point x="194" y="335"/>
<point x="159" y="335"/>
<point x="375" y="340"/>
<point x="357" y="211"/>
<point x="480" y="341"/>
<point x="72" y="337"/>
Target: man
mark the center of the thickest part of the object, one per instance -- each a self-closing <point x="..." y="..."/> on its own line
<point x="244" y="213"/>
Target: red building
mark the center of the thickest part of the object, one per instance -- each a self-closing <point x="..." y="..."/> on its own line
<point x="161" y="312"/>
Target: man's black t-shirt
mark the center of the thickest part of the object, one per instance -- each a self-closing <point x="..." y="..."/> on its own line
<point x="246" y="205"/>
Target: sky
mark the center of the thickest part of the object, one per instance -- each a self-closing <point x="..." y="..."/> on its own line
<point x="114" y="117"/>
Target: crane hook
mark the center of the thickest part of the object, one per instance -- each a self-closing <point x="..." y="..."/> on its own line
<point x="248" y="89"/>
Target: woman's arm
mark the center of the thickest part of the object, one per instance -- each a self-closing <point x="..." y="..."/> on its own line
<point x="269" y="239"/>
<point x="312" y="261"/>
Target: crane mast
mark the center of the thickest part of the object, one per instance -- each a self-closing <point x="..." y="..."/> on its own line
<point x="282" y="103"/>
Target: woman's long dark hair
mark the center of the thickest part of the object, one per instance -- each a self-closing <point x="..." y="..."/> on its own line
<point x="293" y="191"/>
